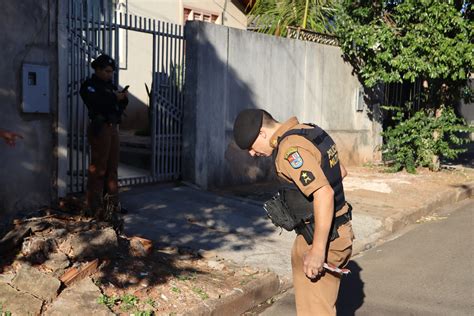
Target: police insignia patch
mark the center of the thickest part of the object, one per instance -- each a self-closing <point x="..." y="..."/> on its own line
<point x="306" y="177"/>
<point x="294" y="158"/>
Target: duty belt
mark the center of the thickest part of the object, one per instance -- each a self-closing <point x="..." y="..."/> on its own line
<point x="307" y="229"/>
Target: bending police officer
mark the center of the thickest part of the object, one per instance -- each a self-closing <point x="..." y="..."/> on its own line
<point x="105" y="105"/>
<point x="306" y="156"/>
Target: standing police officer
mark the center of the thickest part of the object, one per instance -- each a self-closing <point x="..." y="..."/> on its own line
<point x="306" y="156"/>
<point x="105" y="106"/>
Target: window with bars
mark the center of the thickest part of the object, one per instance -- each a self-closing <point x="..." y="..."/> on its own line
<point x="198" y="15"/>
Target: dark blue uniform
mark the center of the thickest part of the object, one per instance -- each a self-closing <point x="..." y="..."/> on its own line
<point x="105" y="113"/>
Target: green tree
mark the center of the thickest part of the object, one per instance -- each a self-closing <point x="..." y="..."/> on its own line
<point x="407" y="40"/>
<point x="273" y="16"/>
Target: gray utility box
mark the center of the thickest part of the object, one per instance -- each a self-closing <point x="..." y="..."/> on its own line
<point x="35" y="89"/>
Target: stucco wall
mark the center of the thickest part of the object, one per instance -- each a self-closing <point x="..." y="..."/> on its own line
<point x="229" y="70"/>
<point x="28" y="170"/>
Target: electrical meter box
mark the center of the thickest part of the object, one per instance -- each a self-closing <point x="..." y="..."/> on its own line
<point x="35" y="88"/>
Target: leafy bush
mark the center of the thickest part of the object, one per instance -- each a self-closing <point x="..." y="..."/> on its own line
<point x="414" y="141"/>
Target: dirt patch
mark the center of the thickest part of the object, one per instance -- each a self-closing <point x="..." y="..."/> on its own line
<point x="132" y="275"/>
<point x="169" y="281"/>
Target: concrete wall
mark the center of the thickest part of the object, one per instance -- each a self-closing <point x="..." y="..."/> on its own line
<point x="138" y="69"/>
<point x="27" y="171"/>
<point x="228" y="70"/>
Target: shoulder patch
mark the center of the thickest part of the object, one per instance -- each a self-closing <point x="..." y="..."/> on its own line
<point x="90" y="89"/>
<point x="290" y="151"/>
<point x="306" y="177"/>
<point x="294" y="158"/>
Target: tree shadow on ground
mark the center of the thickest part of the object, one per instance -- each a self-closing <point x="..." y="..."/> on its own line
<point x="186" y="217"/>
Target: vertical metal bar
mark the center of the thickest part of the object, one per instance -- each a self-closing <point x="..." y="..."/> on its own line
<point x="166" y="123"/>
<point x="181" y="106"/>
<point x="91" y="51"/>
<point x="175" y="99"/>
<point x="126" y="17"/>
<point x="76" y="82"/>
<point x="116" y="30"/>
<point x="109" y="30"/>
<point x="94" y="34"/>
<point x="160" y="102"/>
<point x="69" y="95"/>
<point x="104" y="30"/>
<point x="82" y="146"/>
<point x="100" y="31"/>
<point x="152" y="119"/>
<point x="170" y="102"/>
<point x="88" y="41"/>
<point x="99" y="34"/>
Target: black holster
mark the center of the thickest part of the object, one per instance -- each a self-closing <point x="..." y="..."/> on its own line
<point x="307" y="229"/>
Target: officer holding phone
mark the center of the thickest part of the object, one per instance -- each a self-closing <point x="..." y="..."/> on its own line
<point x="105" y="105"/>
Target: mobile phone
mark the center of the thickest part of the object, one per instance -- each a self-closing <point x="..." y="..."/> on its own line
<point x="125" y="89"/>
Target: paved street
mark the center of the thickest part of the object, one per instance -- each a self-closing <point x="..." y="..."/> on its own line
<point x="426" y="271"/>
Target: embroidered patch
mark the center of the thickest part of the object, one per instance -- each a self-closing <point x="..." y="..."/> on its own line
<point x="294" y="158"/>
<point x="290" y="151"/>
<point x="306" y="177"/>
<point x="90" y="89"/>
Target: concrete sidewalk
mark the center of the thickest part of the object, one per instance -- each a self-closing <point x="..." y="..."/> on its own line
<point x="233" y="224"/>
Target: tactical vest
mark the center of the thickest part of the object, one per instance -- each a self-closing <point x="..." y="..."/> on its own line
<point x="329" y="158"/>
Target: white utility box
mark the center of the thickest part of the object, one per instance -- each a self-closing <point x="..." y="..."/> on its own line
<point x="35" y="88"/>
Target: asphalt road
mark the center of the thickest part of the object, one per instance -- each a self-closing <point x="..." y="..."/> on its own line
<point x="428" y="270"/>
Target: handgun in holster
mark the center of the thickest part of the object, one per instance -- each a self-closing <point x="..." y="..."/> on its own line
<point x="291" y="210"/>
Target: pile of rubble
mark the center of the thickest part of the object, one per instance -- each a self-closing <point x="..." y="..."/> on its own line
<point x="58" y="263"/>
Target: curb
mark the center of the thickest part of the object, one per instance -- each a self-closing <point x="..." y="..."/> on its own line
<point x="397" y="222"/>
<point x="242" y="299"/>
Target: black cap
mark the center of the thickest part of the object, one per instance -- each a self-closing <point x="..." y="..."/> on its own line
<point x="247" y="127"/>
<point x="103" y="61"/>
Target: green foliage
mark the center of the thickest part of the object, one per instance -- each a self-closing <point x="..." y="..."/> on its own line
<point x="187" y="277"/>
<point x="402" y="41"/>
<point x="201" y="293"/>
<point x="273" y="16"/>
<point x="150" y="302"/>
<point x="144" y="313"/>
<point x="389" y="42"/>
<point x="128" y="302"/>
<point x="4" y="312"/>
<point x="106" y="300"/>
<point x="413" y="142"/>
<point x="176" y="289"/>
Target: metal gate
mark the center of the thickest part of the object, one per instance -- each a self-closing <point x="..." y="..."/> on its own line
<point x="94" y="27"/>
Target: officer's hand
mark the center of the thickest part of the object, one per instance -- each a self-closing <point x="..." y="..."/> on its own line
<point x="121" y="95"/>
<point x="313" y="263"/>
<point x="10" y="137"/>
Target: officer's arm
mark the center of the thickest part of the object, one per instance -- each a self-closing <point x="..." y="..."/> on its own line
<point x="343" y="170"/>
<point x="323" y="205"/>
<point x="313" y="261"/>
<point x="93" y="96"/>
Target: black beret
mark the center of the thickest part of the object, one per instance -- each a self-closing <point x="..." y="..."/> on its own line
<point x="247" y="127"/>
<point x="103" y="61"/>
